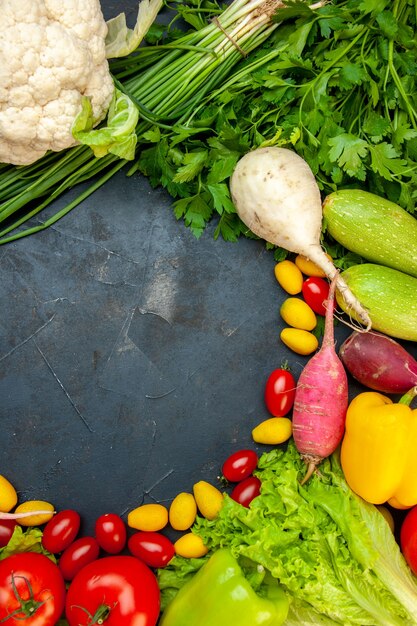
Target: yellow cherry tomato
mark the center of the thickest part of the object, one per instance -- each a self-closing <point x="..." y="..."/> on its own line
<point x="209" y="499"/>
<point x="273" y="431"/>
<point x="190" y="546"/>
<point x="148" y="517"/>
<point x="297" y="313"/>
<point x="289" y="277"/>
<point x="35" y="506"/>
<point x="183" y="511"/>
<point x="8" y="495"/>
<point x="309" y="268"/>
<point x="299" y="341"/>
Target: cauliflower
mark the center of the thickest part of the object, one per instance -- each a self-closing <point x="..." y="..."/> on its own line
<point x="52" y="57"/>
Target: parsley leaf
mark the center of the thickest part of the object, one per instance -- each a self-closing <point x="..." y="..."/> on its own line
<point x="384" y="160"/>
<point x="348" y="151"/>
<point x="193" y="163"/>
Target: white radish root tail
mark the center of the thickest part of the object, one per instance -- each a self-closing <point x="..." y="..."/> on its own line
<point x="24" y="514"/>
<point x="318" y="256"/>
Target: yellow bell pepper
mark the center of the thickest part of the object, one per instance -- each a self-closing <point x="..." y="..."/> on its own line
<point x="378" y="452"/>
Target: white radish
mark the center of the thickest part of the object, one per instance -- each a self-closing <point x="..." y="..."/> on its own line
<point x="276" y="195"/>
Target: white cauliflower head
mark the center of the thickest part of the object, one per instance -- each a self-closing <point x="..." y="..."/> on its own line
<point x="52" y="53"/>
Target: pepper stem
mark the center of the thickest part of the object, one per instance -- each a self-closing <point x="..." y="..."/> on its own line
<point x="408" y="397"/>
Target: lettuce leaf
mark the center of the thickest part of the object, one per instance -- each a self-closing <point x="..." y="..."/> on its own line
<point x="117" y="136"/>
<point x="333" y="553"/>
<point x="29" y="540"/>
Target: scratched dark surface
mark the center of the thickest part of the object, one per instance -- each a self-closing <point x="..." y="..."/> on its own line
<point x="132" y="356"/>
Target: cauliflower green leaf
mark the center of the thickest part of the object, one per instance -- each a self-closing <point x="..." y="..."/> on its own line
<point x="121" y="40"/>
<point x="117" y="136"/>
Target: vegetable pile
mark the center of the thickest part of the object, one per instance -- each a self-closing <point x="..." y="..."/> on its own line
<point x="336" y="83"/>
<point x="164" y="83"/>
<point x="333" y="553"/>
<point x="291" y="102"/>
<point x="271" y="548"/>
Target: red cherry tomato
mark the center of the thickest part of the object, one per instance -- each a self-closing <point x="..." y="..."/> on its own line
<point x="116" y="591"/>
<point x="7" y="527"/>
<point x="154" y="549"/>
<point x="111" y="533"/>
<point x="279" y="392"/>
<point x="239" y="465"/>
<point x="246" y="490"/>
<point x="61" y="531"/>
<point x="408" y="539"/>
<point x="32" y="590"/>
<point x="80" y="553"/>
<point x="315" y="292"/>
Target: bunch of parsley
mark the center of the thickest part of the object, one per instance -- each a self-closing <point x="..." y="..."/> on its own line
<point x="338" y="85"/>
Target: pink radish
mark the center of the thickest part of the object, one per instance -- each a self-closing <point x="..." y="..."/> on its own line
<point x="321" y="399"/>
<point x="379" y="362"/>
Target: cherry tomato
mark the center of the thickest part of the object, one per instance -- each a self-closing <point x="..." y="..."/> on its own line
<point x="154" y="549"/>
<point x="116" y="591"/>
<point x="299" y="341"/>
<point x="239" y="465"/>
<point x="297" y="313"/>
<point x="111" y="533"/>
<point x="61" y="531"/>
<point x="289" y="276"/>
<point x="32" y="590"/>
<point x="246" y="490"/>
<point x="80" y="553"/>
<point x="8" y="495"/>
<point x="279" y="392"/>
<point x="408" y="539"/>
<point x="315" y="293"/>
<point x="7" y="527"/>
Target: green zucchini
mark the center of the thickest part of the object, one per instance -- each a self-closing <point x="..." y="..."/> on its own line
<point x="378" y="230"/>
<point x="389" y="296"/>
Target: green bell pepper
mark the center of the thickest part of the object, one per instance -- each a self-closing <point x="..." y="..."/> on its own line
<point x="220" y="595"/>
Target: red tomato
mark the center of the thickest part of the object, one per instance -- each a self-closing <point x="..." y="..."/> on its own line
<point x="119" y="590"/>
<point x="315" y="292"/>
<point x="111" y="533"/>
<point x="154" y="549"/>
<point x="239" y="465"/>
<point x="32" y="590"/>
<point x="80" y="553"/>
<point x="61" y="531"/>
<point x="246" y="490"/>
<point x="280" y="392"/>
<point x="408" y="539"/>
<point x="7" y="527"/>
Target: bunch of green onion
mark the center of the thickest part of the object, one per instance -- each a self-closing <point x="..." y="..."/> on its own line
<point x="166" y="82"/>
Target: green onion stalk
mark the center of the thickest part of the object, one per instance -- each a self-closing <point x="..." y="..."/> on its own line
<point x="166" y="82"/>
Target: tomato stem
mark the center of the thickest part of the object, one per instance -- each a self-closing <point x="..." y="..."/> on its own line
<point x="27" y="607"/>
<point x="101" y="614"/>
<point x="99" y="617"/>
